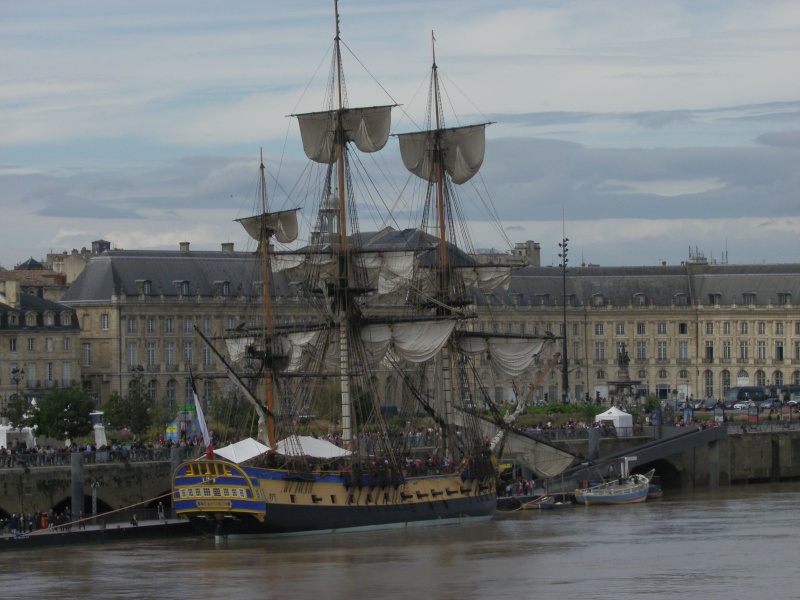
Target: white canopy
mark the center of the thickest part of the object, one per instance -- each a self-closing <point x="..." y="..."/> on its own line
<point x="303" y="445"/>
<point x="621" y="420"/>
<point x="242" y="451"/>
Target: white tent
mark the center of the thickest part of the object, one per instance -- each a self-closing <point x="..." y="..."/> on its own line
<point x="302" y="445"/>
<point x="622" y="421"/>
<point x="242" y="451"/>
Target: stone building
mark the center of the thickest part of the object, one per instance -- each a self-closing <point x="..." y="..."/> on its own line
<point x="694" y="329"/>
<point x="39" y="343"/>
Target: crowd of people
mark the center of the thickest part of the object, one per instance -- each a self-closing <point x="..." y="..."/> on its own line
<point x="28" y="523"/>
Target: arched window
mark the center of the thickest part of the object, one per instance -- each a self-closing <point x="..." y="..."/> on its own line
<point x="708" y="383"/>
<point x="725" y="381"/>
<point x="171" y="390"/>
<point x="152" y="389"/>
<point x="761" y="378"/>
<point x="777" y="378"/>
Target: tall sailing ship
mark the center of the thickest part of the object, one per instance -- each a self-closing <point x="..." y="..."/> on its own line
<point x="397" y="303"/>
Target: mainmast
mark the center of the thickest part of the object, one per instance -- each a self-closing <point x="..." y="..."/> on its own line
<point x="445" y="367"/>
<point x="342" y="300"/>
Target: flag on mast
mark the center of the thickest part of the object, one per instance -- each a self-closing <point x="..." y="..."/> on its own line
<point x="201" y="420"/>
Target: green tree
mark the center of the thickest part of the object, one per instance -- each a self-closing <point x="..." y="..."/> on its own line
<point x="63" y="413"/>
<point x="130" y="412"/>
<point x="19" y="411"/>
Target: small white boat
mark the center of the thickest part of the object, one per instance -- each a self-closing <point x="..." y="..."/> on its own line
<point x="627" y="489"/>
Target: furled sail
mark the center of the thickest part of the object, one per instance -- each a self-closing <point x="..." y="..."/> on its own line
<point x="237" y="347"/>
<point x="462" y="150"/>
<point x="368" y="128"/>
<point x="280" y="225"/>
<point x="486" y="278"/>
<point x="414" y="341"/>
<point x="508" y="355"/>
<point x="295" y="345"/>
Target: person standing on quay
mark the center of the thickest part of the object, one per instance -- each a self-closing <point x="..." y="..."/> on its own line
<point x="161" y="518"/>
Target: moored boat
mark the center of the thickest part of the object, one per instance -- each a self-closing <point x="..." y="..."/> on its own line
<point x="626" y="489"/>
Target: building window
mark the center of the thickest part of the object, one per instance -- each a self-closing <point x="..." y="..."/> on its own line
<point x="12" y="345"/>
<point x="48" y="344"/>
<point x="208" y="388"/>
<point x="151" y="354"/>
<point x="522" y="328"/>
<point x="642" y="374"/>
<point x="31" y="320"/>
<point x="709" y="329"/>
<point x="187" y="326"/>
<point x="784" y="298"/>
<point x="762" y="328"/>
<point x="662" y="374"/>
<point x="620" y="329"/>
<point x="641" y="350"/>
<point x="49" y="320"/>
<point x="87" y="355"/>
<point x="761" y="378"/>
<point x="683" y="328"/>
<point x="778" y="376"/>
<point x="641" y="329"/>
<point x="66" y="320"/>
<point x="778" y="328"/>
<point x="748" y="298"/>
<point x="206" y="356"/>
<point x="599" y="351"/>
<point x="683" y="374"/>
<point x="761" y="350"/>
<point x="188" y="352"/>
<point x="601" y="374"/>
<point x="152" y="389"/>
<point x="708" y="380"/>
<point x="797" y="351"/>
<point x="66" y="374"/>
<point x="779" y="351"/>
<point x="743" y="328"/>
<point x="66" y="344"/>
<point x="599" y="329"/>
<point x="171" y="390"/>
<point x="151" y="325"/>
<point x="226" y="288"/>
<point x="184" y="288"/>
<point x="726" y="350"/>
<point x="683" y="350"/>
<point x="715" y="299"/>
<point x="189" y="391"/>
<point x="661" y="351"/>
<point x="726" y="328"/>
<point x="598" y="300"/>
<point x="207" y="326"/>
<point x="169" y="354"/>
<point x="662" y="329"/>
<point x="133" y="361"/>
<point x="132" y="325"/>
<point x="575" y="329"/>
<point x="744" y="350"/>
<point x="12" y="320"/>
<point x="639" y="300"/>
<point x="104" y="322"/>
<point x="725" y="377"/>
<point x="31" y="344"/>
<point x="709" y="351"/>
<point x="681" y="300"/>
<point x="146" y="288"/>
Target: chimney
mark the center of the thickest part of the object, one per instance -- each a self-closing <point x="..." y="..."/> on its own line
<point x="184" y="246"/>
<point x="227" y="247"/>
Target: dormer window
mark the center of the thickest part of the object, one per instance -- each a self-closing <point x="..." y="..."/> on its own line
<point x="681" y="299"/>
<point x="598" y="300"/>
<point x="30" y="320"/>
<point x="183" y="287"/>
<point x="715" y="299"/>
<point x="49" y="319"/>
<point x="147" y="287"/>
<point x="226" y="288"/>
<point x="639" y="300"/>
<point x="66" y="319"/>
<point x="784" y="298"/>
<point x="749" y="298"/>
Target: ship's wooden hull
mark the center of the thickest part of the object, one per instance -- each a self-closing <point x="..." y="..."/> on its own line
<point x="225" y="499"/>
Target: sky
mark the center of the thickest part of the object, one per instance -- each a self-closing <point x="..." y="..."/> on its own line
<point x="642" y="131"/>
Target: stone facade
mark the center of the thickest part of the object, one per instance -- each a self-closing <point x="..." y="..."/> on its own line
<point x="690" y="330"/>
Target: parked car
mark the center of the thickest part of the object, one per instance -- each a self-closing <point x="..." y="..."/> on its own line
<point x="770" y="404"/>
<point x="741" y="405"/>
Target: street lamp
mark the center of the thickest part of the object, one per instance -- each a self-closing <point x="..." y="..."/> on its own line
<point x="564" y="359"/>
<point x="16" y="377"/>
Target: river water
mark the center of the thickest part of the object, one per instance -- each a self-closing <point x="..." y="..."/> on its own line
<point x="737" y="543"/>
